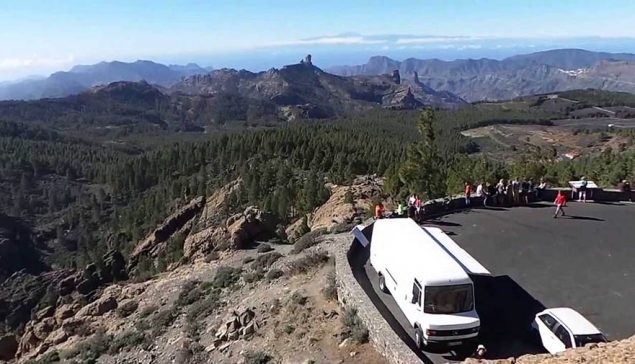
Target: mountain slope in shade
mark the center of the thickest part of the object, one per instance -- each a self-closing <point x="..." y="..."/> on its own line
<point x="487" y="79"/>
<point x="83" y="77"/>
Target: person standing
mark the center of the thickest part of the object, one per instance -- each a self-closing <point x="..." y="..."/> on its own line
<point x="560" y="202"/>
<point x="500" y="192"/>
<point x="582" y="190"/>
<point x="480" y="193"/>
<point x="401" y="209"/>
<point x="379" y="211"/>
<point x="418" y="216"/>
<point x="468" y="194"/>
<point x="524" y="192"/>
<point x="516" y="190"/>
<point x="491" y="194"/>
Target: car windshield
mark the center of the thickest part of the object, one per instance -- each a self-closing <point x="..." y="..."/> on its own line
<point x="582" y="340"/>
<point x="448" y="299"/>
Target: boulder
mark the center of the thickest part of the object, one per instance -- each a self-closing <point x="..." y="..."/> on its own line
<point x="155" y="241"/>
<point x="199" y="245"/>
<point x="43" y="328"/>
<point x="245" y="317"/>
<point x="72" y="324"/>
<point x="57" y="337"/>
<point x="47" y="311"/>
<point x="98" y="308"/>
<point x="8" y="347"/>
<point x="65" y="312"/>
<point x="67" y="286"/>
<point x="114" y="269"/>
<point x="86" y="286"/>
<point x="28" y="342"/>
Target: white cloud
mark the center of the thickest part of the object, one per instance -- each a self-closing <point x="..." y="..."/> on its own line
<point x="433" y="40"/>
<point x="327" y="41"/>
<point x="34" y="61"/>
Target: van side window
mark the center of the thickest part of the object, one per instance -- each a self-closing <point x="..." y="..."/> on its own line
<point x="416" y="294"/>
<point x="564" y="336"/>
<point x="549" y="321"/>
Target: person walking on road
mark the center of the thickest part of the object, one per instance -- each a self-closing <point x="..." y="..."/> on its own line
<point x="560" y="202"/>
<point x="582" y="190"/>
<point x="468" y="194"/>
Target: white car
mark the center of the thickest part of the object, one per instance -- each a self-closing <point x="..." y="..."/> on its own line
<point x="563" y="328"/>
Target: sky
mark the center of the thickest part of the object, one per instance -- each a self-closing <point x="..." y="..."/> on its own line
<point x="37" y="37"/>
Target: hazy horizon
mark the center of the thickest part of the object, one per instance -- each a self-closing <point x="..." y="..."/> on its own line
<point x="39" y="38"/>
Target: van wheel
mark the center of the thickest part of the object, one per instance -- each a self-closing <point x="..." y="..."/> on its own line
<point x="419" y="338"/>
<point x="382" y="284"/>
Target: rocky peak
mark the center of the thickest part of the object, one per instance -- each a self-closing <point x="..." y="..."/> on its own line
<point x="396" y="77"/>
<point x="416" y="77"/>
<point x="307" y="60"/>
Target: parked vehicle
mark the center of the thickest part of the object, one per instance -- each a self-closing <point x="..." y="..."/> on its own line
<point x="425" y="271"/>
<point x="563" y="328"/>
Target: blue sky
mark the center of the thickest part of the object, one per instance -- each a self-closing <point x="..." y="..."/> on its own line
<point x="43" y="36"/>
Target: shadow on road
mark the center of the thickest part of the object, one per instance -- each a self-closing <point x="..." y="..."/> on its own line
<point x="506" y="311"/>
<point x="582" y="218"/>
<point x="441" y="223"/>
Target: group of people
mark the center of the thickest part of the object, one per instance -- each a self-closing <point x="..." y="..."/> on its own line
<point x="506" y="193"/>
<point x="413" y="209"/>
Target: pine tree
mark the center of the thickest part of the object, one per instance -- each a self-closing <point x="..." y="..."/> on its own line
<point x="422" y="172"/>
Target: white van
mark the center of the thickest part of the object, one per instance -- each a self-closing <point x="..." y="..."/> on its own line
<point x="424" y="271"/>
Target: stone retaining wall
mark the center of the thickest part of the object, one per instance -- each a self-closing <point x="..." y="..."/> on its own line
<point x="351" y="294"/>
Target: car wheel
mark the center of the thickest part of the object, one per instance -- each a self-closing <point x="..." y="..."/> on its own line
<point x="382" y="284"/>
<point x="419" y="338"/>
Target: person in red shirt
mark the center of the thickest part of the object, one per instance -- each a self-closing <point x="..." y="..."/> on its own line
<point x="560" y="202"/>
<point x="468" y="193"/>
<point x="418" y="207"/>
<point x="379" y="211"/>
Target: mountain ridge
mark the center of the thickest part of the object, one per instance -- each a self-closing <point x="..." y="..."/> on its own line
<point x="82" y="77"/>
<point x="489" y="79"/>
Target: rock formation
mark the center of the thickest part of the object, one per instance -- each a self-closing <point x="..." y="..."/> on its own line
<point x="154" y="242"/>
<point x="396" y="78"/>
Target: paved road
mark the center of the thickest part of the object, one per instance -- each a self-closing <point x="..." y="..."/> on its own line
<point x="583" y="261"/>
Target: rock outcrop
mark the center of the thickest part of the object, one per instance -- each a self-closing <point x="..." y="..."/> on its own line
<point x="155" y="241"/>
<point x="396" y="77"/>
<point x="347" y="205"/>
<point x="239" y="232"/>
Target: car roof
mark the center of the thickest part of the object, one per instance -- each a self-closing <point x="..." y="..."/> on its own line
<point x="573" y="320"/>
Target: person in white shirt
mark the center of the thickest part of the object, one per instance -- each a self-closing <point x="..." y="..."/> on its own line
<point x="479" y="190"/>
<point x="411" y="201"/>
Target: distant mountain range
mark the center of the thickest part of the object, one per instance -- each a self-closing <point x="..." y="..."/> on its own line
<point x="223" y="97"/>
<point x="83" y="77"/>
<point x="488" y="79"/>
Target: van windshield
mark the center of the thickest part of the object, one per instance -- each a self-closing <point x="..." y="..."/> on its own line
<point x="448" y="299"/>
<point x="582" y="340"/>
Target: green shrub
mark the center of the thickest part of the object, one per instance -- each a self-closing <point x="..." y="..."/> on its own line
<point x="274" y="274"/>
<point x="308" y="262"/>
<point x="226" y="277"/>
<point x="126" y="340"/>
<point x="330" y="290"/>
<point x="298" y="298"/>
<point x="353" y="326"/>
<point x="88" y="350"/>
<point x="308" y="240"/>
<point x="255" y="276"/>
<point x="48" y="358"/>
<point x="127" y="309"/>
<point x="288" y="329"/>
<point x="190" y="293"/>
<point x="265" y="261"/>
<point x="257" y="357"/>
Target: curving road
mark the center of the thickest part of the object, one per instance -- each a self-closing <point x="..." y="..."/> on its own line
<point x="584" y="261"/>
